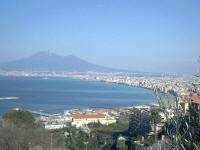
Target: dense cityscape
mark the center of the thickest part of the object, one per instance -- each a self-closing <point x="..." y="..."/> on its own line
<point x="180" y="84"/>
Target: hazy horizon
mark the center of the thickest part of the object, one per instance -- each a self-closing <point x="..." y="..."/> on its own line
<point x="149" y="36"/>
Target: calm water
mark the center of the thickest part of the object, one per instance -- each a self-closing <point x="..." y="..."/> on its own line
<point x="57" y="94"/>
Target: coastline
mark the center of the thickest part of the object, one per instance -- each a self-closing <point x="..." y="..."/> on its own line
<point x="88" y="107"/>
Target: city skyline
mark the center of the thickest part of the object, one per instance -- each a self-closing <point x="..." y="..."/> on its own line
<point x="154" y="36"/>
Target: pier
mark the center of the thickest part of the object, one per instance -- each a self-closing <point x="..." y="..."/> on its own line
<point x="41" y="113"/>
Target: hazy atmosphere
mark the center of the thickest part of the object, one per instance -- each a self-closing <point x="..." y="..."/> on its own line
<point x="100" y="75"/>
<point x="143" y="35"/>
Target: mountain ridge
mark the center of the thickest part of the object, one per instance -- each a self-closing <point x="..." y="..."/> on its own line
<point x="49" y="61"/>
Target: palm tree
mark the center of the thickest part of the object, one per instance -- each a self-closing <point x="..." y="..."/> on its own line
<point x="155" y="118"/>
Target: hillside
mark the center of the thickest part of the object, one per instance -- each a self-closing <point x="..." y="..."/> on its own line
<point x="47" y="61"/>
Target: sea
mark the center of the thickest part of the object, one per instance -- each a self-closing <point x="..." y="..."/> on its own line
<point x="54" y="95"/>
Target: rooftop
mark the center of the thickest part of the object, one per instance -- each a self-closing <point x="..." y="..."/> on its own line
<point x="196" y="99"/>
<point x="94" y="116"/>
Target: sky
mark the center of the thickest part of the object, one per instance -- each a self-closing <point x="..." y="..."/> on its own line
<point x="138" y="35"/>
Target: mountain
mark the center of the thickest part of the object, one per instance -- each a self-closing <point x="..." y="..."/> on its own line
<point x="48" y="61"/>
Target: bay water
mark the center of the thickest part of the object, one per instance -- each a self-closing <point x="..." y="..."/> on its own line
<point x="54" y="95"/>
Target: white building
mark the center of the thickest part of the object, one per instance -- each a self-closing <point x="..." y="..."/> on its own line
<point x="82" y="120"/>
<point x="54" y="126"/>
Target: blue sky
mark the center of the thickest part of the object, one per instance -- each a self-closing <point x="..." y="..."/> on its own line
<point x="142" y="35"/>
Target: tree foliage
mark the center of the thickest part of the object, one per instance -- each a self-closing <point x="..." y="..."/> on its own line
<point x="155" y="118"/>
<point x="20" y="118"/>
<point x="18" y="131"/>
<point x="121" y="145"/>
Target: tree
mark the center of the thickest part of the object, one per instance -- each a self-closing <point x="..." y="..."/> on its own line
<point x="13" y="137"/>
<point x="155" y="118"/>
<point x="18" y="131"/>
<point x="20" y="118"/>
<point x="121" y="145"/>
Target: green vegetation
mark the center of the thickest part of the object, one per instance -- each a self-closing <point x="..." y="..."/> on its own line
<point x="18" y="131"/>
<point x="121" y="145"/>
<point x="20" y="118"/>
<point x="181" y="131"/>
<point x="101" y="137"/>
<point x="112" y="128"/>
<point x="155" y="118"/>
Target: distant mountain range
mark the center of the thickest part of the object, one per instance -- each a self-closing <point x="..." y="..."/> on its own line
<point x="48" y="61"/>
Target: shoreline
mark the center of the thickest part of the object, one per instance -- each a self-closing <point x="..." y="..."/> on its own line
<point x="83" y="79"/>
<point x="47" y="77"/>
